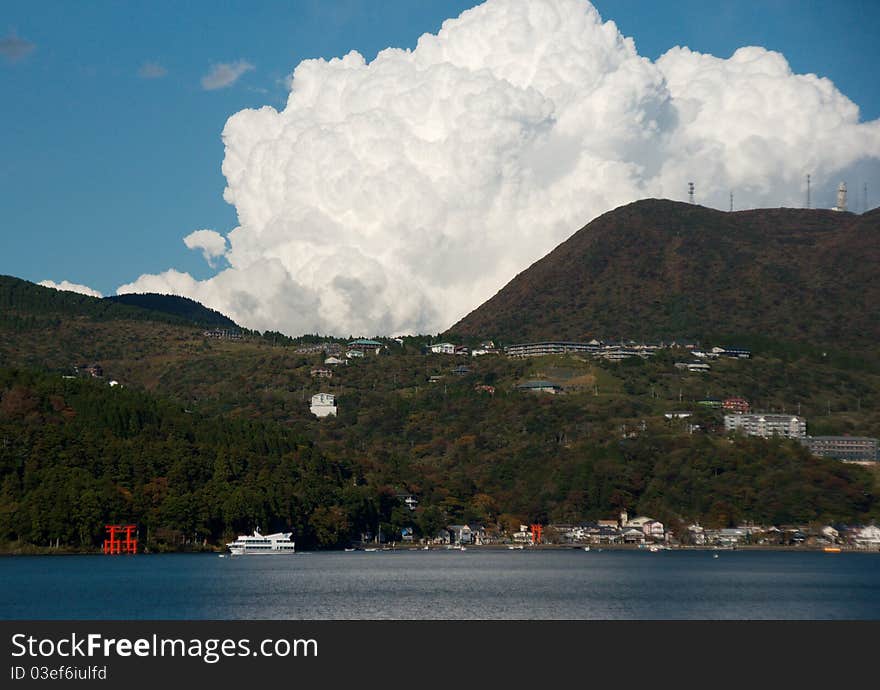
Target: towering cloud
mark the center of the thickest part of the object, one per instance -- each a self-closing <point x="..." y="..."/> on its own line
<point x="397" y="195"/>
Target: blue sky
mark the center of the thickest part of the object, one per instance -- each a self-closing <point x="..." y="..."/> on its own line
<point x="104" y="170"/>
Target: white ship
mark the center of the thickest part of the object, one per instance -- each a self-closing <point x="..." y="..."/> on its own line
<point x="262" y="545"/>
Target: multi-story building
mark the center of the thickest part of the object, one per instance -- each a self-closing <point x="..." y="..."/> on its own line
<point x="551" y="348"/>
<point x="767" y="425"/>
<point x="851" y="448"/>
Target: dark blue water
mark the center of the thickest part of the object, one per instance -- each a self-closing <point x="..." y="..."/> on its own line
<point x="474" y="584"/>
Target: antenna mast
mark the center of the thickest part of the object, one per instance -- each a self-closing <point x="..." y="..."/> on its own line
<point x="808" y="191"/>
<point x="731" y="202"/>
<point x="691" y="192"/>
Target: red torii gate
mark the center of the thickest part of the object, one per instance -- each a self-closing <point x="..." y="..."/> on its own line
<point x="114" y="543"/>
<point x="537" y="531"/>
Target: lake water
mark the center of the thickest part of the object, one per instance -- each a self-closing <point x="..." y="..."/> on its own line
<point x="427" y="585"/>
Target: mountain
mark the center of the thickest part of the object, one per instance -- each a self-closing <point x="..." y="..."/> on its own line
<point x="27" y="304"/>
<point x="662" y="269"/>
<point x="174" y="305"/>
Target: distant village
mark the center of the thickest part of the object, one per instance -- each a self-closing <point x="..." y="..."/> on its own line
<point x="646" y="532"/>
<point x="738" y="415"/>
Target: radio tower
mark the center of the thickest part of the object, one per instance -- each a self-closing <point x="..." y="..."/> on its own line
<point x="691" y="192"/>
<point x="808" y="191"/>
<point x="865" y="198"/>
<point x="731" y="202"/>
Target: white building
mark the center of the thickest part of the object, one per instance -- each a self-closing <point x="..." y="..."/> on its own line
<point x="323" y="405"/>
<point x="443" y="349"/>
<point x="767" y="425"/>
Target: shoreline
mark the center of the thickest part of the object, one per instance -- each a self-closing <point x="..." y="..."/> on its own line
<point x="594" y="548"/>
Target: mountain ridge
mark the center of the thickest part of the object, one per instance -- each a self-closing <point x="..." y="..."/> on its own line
<point x="31" y="300"/>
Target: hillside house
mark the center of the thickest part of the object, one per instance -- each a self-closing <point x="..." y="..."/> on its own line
<point x="736" y="405"/>
<point x="681" y="414"/>
<point x="323" y="405"/>
<point x="539" y="387"/>
<point x="365" y="346"/>
<point x="697" y="367"/>
<point x="443" y="349"/>
<point x="322" y="374"/>
<point x="734" y="352"/>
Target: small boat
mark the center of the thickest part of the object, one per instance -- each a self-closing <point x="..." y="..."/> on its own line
<point x="424" y="548"/>
<point x="222" y="555"/>
<point x="371" y="549"/>
<point x="714" y="555"/>
<point x="586" y="548"/>
<point x="831" y="549"/>
<point x="349" y="549"/>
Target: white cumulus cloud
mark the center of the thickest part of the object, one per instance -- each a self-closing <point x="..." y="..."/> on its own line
<point x="397" y="195"/>
<point x="225" y="74"/>
<point x="70" y="287"/>
<point x="211" y="242"/>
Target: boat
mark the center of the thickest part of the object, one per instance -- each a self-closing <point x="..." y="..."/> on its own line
<point x="586" y="548"/>
<point x="518" y="547"/>
<point x="257" y="544"/>
<point x="714" y="555"/>
<point x="831" y="549"/>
